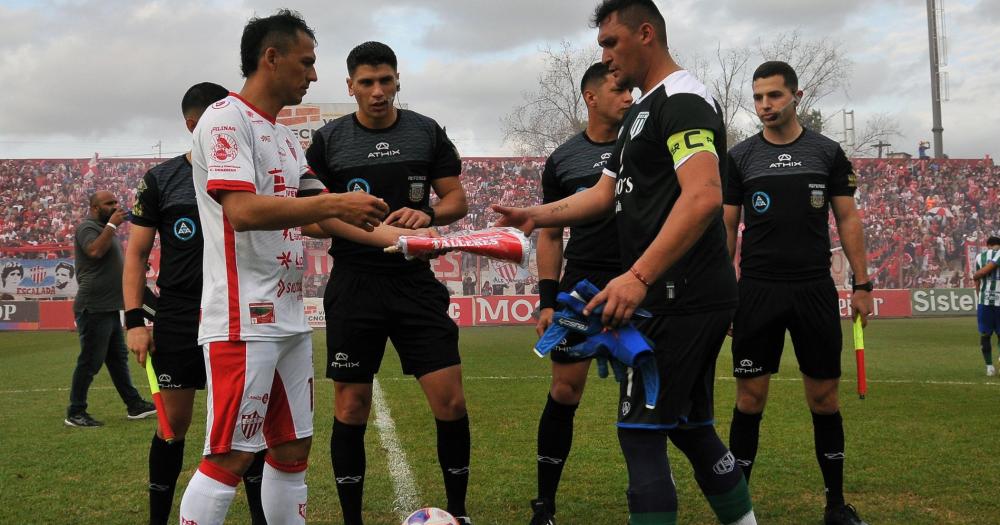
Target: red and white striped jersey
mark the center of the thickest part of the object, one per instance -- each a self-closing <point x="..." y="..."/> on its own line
<point x="252" y="285"/>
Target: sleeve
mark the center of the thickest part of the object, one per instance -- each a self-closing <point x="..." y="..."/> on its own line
<point x="226" y="142"/>
<point x="613" y="166"/>
<point x="733" y="194"/>
<point x="688" y="124"/>
<point x="309" y="180"/>
<point x="86" y="234"/>
<point x="843" y="178"/>
<point x="446" y="162"/>
<point x="146" y="210"/>
<point x="551" y="191"/>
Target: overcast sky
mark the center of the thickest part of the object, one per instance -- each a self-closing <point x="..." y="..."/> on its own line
<point x="79" y="76"/>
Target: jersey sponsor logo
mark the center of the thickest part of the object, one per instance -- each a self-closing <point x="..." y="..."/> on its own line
<point x="285" y="259"/>
<point x="785" y="161"/>
<point x="817" y="198"/>
<point x="383" y="149"/>
<point x="250" y="424"/>
<point x="220" y="104"/>
<point x="604" y="160"/>
<point x="184" y="229"/>
<point x="760" y="202"/>
<point x="261" y="313"/>
<point x="224" y="147"/>
<point x="359" y="185"/>
<point x="265" y="138"/>
<point x="263" y="398"/>
<point x="638" y="124"/>
<point x="417" y="191"/>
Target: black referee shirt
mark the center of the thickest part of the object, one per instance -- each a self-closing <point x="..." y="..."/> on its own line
<point x="396" y="164"/>
<point x="662" y="130"/>
<point x="573" y="167"/>
<point x="785" y="193"/>
<point x="166" y="201"/>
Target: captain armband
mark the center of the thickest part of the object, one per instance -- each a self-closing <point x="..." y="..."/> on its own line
<point x="683" y="144"/>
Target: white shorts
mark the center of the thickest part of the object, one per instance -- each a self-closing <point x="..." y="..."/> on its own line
<point x="260" y="393"/>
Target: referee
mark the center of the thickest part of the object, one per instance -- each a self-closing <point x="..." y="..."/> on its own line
<point x="786" y="179"/>
<point x="166" y="205"/>
<point x="987" y="277"/>
<point x="591" y="253"/>
<point x="399" y="156"/>
<point x="664" y="181"/>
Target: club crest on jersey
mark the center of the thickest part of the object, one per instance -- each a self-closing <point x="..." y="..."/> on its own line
<point x="760" y="202"/>
<point x="785" y="161"/>
<point x="416" y="191"/>
<point x="638" y="124"/>
<point x="817" y="198"/>
<point x="184" y="229"/>
<point x="382" y="149"/>
<point x="250" y="424"/>
<point x="359" y="185"/>
<point x="224" y="147"/>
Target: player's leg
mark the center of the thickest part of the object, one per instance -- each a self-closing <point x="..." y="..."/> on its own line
<point x="116" y="359"/>
<point x="758" y="337"/>
<point x="167" y="459"/>
<point x="651" y="495"/>
<point x="427" y="342"/>
<point x="93" y="346"/>
<point x="818" y="341"/>
<point x="555" y="427"/>
<point x="288" y="429"/>
<point x="987" y="320"/>
<point x="352" y="406"/>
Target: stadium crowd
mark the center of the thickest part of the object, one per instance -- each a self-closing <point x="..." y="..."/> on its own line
<point x="920" y="214"/>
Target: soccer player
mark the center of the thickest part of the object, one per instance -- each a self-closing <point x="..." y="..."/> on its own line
<point x="257" y="344"/>
<point x="786" y="179"/>
<point x="399" y="156"/>
<point x="664" y="183"/>
<point x="166" y="204"/>
<point x="591" y="253"/>
<point x="987" y="277"/>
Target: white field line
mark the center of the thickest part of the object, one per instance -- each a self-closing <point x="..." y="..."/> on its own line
<point x="407" y="497"/>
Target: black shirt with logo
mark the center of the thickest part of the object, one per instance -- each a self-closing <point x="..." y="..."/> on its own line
<point x="573" y="167"/>
<point x="396" y="164"/>
<point x="662" y="130"/>
<point x="166" y="201"/>
<point x="785" y="192"/>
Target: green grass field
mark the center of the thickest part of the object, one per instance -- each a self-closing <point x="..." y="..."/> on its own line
<point x="921" y="449"/>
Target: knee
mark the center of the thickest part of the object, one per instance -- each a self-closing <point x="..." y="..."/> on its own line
<point x="352" y="409"/>
<point x="750" y="401"/>
<point x="452" y="407"/>
<point x="292" y="452"/>
<point x="824" y="402"/>
<point x="566" y="392"/>
<point x="234" y="461"/>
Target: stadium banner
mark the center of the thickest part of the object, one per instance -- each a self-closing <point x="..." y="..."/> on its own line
<point x="937" y="302"/>
<point x="505" y="310"/>
<point x="56" y="315"/>
<point x="37" y="279"/>
<point x="315" y="314"/>
<point x="461" y="310"/>
<point x="19" y="315"/>
<point x="887" y="303"/>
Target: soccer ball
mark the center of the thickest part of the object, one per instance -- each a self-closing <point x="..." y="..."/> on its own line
<point x="430" y="516"/>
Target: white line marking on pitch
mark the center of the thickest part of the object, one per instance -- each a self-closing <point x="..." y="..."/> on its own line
<point x="407" y="497"/>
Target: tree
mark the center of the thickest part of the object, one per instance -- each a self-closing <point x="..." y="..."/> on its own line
<point x="728" y="85"/>
<point x="820" y="64"/>
<point x="812" y="119"/>
<point x="554" y="111"/>
<point x="874" y="136"/>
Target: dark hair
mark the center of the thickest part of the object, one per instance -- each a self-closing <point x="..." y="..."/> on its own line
<point x="63" y="265"/>
<point x="200" y="96"/>
<point x="632" y="13"/>
<point x="993" y="241"/>
<point x="777" y="67"/>
<point x="595" y="73"/>
<point x="278" y="31"/>
<point x="10" y="268"/>
<point x="370" y="53"/>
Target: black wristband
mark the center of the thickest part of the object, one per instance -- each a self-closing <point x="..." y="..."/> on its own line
<point x="548" y="290"/>
<point x="429" y="210"/>
<point x="135" y="318"/>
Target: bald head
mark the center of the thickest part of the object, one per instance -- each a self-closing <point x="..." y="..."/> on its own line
<point x="102" y="205"/>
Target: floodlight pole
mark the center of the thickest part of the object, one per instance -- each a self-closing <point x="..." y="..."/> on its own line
<point x="935" y="78"/>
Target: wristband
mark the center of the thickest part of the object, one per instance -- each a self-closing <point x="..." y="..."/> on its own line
<point x="429" y="210"/>
<point x="548" y="289"/>
<point x="135" y="318"/>
<point x="113" y="227"/>
<point x="639" y="276"/>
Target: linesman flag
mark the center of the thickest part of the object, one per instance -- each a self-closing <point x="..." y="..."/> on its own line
<point x="859" y="356"/>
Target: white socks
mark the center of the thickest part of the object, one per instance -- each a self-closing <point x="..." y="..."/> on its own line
<point x="207" y="497"/>
<point x="283" y="492"/>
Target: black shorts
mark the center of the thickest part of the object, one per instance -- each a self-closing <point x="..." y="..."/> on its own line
<point x="179" y="361"/>
<point x="363" y="310"/>
<point x="571" y="276"/>
<point x="686" y="348"/>
<point x="808" y="310"/>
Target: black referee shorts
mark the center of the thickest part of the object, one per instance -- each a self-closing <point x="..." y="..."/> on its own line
<point x="571" y="276"/>
<point x="363" y="310"/>
<point x="179" y="361"/>
<point x="686" y="347"/>
<point x="807" y="309"/>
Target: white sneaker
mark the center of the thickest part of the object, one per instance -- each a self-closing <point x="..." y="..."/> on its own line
<point x="990" y="371"/>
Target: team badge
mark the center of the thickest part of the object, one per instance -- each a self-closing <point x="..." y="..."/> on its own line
<point x="817" y="199"/>
<point x="184" y="229"/>
<point x="638" y="124"/>
<point x="224" y="149"/>
<point x="417" y="191"/>
<point x="626" y="408"/>
<point x="359" y="185"/>
<point x="760" y="202"/>
<point x="725" y="465"/>
<point x="250" y="424"/>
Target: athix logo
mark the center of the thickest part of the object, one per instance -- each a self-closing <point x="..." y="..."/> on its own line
<point x="340" y="356"/>
<point x="382" y="149"/>
<point x="549" y="460"/>
<point x="746" y="362"/>
<point x="785" y="161"/>
<point x="604" y="160"/>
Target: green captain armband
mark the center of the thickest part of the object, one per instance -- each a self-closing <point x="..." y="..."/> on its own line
<point x="683" y="144"/>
